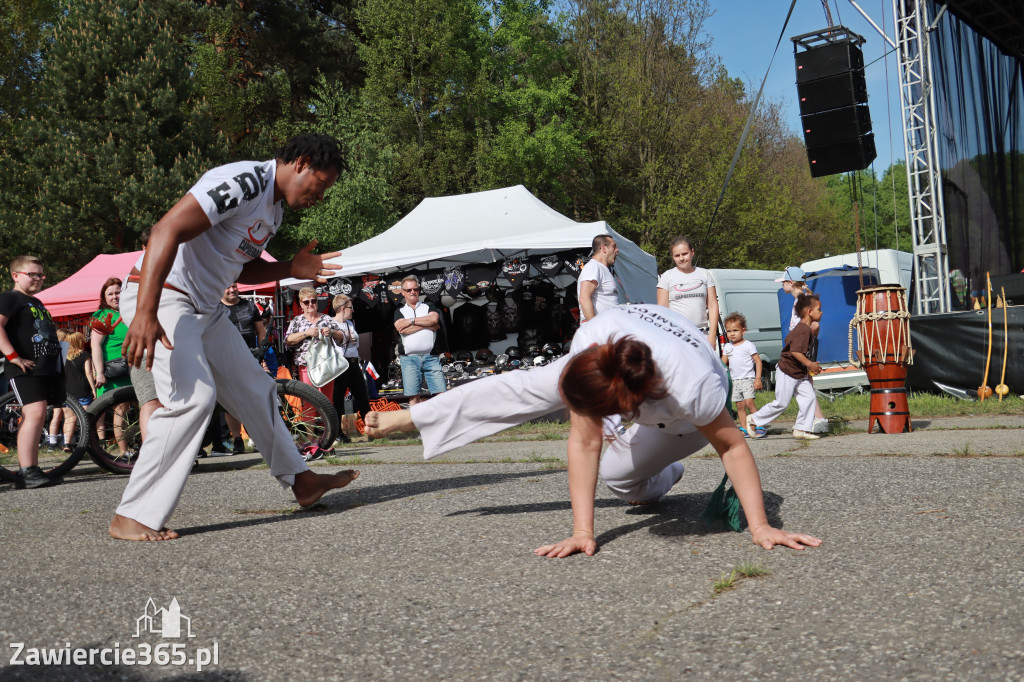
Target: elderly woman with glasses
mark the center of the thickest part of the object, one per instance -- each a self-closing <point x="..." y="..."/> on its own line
<point x="306" y="327"/>
<point x="352" y="378"/>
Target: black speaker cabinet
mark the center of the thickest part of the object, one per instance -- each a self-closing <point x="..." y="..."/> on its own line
<point x="828" y="60"/>
<point x="841" y="157"/>
<point x="833" y="92"/>
<point x="836" y="125"/>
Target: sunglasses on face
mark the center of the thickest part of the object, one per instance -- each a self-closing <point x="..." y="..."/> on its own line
<point x="33" y="275"/>
<point x="311" y="301"/>
<point x="411" y="290"/>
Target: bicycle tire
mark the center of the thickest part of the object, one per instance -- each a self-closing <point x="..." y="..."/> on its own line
<point x="104" y="451"/>
<point x="314" y="421"/>
<point x="54" y="463"/>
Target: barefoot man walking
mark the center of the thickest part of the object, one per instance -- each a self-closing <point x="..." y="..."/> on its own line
<point x="177" y="329"/>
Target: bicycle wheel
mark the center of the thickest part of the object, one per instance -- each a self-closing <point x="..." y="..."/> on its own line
<point x="309" y="415"/>
<point x="104" y="450"/>
<point x="53" y="462"/>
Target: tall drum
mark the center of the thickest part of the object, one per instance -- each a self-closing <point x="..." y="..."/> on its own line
<point x="883" y="329"/>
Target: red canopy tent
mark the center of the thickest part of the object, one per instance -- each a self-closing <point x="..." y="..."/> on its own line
<point x="79" y="294"/>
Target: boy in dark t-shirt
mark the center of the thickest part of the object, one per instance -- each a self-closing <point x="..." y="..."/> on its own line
<point x="797" y="363"/>
<point x="28" y="340"/>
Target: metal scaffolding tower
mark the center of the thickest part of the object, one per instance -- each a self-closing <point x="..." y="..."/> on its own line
<point x="924" y="180"/>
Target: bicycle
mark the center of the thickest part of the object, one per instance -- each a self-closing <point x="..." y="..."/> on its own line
<point x="309" y="415"/>
<point x="55" y="462"/>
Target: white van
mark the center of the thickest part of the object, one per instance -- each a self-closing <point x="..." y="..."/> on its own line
<point x="894" y="267"/>
<point x="754" y="294"/>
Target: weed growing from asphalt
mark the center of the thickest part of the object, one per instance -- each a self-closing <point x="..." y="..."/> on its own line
<point x="747" y="569"/>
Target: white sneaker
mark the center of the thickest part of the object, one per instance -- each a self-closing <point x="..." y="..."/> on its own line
<point x="804" y="435"/>
<point x="820" y="426"/>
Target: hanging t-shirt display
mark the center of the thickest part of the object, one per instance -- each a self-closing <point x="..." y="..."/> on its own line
<point x="395" y="290"/>
<point x="482" y="275"/>
<point x="510" y="316"/>
<point x="454" y="281"/>
<point x="547" y="265"/>
<point x="339" y="285"/>
<point x="432" y="285"/>
<point x="369" y="292"/>
<point x="469" y="327"/>
<point x="573" y="262"/>
<point x="514" y="270"/>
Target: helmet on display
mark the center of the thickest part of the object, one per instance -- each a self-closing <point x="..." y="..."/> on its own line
<point x="551" y="350"/>
<point x="515" y="363"/>
<point x="514" y="353"/>
<point x="485" y="356"/>
<point x="532" y="350"/>
<point x="502" y="361"/>
<point x="540" y="361"/>
<point x="463" y="356"/>
<point x="446" y="358"/>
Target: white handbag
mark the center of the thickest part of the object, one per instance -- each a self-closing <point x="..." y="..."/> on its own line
<point x="325" y="362"/>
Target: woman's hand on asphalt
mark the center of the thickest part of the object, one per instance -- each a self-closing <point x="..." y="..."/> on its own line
<point x="768" y="537"/>
<point x="568" y="547"/>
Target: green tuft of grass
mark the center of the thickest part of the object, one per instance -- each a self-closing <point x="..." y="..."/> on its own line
<point x="724" y="582"/>
<point x="753" y="569"/>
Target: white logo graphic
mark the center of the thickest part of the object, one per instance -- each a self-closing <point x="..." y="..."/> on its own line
<point x="164" y="622"/>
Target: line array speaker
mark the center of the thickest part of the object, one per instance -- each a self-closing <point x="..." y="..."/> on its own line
<point x="833" y="106"/>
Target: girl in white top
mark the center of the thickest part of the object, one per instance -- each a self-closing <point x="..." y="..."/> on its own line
<point x="690" y="291"/>
<point x="638" y="360"/>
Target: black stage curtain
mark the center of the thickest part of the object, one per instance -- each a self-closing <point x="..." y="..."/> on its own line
<point x="979" y="93"/>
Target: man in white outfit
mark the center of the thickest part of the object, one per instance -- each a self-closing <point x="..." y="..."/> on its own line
<point x="212" y="237"/>
<point x="595" y="288"/>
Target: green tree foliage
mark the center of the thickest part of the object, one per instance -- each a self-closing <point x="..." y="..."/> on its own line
<point x="882" y="209"/>
<point x="664" y="119"/>
<point x="257" y="63"/>
<point x="362" y="203"/>
<point x="116" y="144"/>
<point x="23" y="27"/>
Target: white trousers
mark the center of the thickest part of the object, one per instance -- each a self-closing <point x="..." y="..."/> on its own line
<point x="640" y="465"/>
<point x="785" y="388"/>
<point x="210" y="363"/>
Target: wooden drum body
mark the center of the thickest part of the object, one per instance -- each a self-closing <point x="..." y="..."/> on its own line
<point x="883" y="330"/>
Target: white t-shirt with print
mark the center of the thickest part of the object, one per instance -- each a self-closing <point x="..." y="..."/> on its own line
<point x="694" y="376"/>
<point x="688" y="293"/>
<point x="606" y="295"/>
<point x="239" y="201"/>
<point x="741" y="359"/>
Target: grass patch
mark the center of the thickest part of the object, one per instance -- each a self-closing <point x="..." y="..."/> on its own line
<point x="351" y="459"/>
<point x="858" y="406"/>
<point x="747" y="569"/>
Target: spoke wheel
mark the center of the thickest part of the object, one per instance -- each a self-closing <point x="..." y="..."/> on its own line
<point x="53" y="461"/>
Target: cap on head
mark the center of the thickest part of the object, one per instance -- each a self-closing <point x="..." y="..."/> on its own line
<point x="792" y="274"/>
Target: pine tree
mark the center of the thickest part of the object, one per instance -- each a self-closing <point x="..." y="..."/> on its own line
<point x="118" y="140"/>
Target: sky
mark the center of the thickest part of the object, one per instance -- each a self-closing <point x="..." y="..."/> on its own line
<point x="744" y="34"/>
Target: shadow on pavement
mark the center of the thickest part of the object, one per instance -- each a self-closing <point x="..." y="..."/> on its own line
<point x="358" y="497"/>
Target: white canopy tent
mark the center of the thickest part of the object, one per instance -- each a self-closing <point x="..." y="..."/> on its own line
<point x="485" y="227"/>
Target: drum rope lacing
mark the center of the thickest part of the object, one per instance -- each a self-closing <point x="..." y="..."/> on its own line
<point x="872" y="317"/>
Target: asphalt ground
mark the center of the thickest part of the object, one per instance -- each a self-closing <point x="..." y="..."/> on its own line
<point x="425" y="570"/>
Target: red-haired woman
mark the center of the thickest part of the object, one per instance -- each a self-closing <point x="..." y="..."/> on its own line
<point x="641" y="361"/>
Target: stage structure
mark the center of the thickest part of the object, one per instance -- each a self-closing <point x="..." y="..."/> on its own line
<point x="961" y="103"/>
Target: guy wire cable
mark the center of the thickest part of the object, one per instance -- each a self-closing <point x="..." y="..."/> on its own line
<point x="746" y="128"/>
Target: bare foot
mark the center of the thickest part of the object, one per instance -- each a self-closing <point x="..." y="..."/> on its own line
<point x="310" y="486"/>
<point x="380" y="424"/>
<point x="123" y="528"/>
